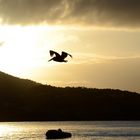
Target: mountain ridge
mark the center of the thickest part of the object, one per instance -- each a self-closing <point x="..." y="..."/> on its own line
<point x="26" y="100"/>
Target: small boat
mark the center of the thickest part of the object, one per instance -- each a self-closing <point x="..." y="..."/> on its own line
<point x="57" y="134"/>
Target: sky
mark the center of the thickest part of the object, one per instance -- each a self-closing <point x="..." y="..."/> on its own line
<point x="103" y="36"/>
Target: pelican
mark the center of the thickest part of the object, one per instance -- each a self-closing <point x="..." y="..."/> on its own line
<point x="59" y="58"/>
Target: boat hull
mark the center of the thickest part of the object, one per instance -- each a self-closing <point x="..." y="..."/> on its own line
<point x="56" y="134"/>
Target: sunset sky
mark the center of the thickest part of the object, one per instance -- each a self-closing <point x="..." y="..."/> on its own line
<point x="103" y="36"/>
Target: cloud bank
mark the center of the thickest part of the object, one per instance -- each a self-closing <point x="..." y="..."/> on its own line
<point x="122" y="13"/>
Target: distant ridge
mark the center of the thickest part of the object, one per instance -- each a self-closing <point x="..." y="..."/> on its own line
<point x="26" y="100"/>
<point x="9" y="83"/>
<point x="7" y="78"/>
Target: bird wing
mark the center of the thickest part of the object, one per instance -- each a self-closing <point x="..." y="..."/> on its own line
<point x="54" y="53"/>
<point x="64" y="55"/>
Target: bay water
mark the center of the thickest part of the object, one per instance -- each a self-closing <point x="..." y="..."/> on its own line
<point x="81" y="130"/>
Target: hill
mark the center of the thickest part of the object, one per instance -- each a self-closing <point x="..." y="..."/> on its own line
<point x="25" y="100"/>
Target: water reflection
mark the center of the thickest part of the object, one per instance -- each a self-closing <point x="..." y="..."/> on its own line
<point x="7" y="130"/>
<point x="97" y="130"/>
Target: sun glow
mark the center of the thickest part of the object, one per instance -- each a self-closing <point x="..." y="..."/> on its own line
<point x="24" y="48"/>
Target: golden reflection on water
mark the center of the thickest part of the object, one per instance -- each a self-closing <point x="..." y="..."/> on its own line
<point x="21" y="130"/>
<point x="101" y="130"/>
<point x="6" y="128"/>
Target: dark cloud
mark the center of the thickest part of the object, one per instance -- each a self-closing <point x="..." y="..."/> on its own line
<point x="30" y="11"/>
<point x="87" y="12"/>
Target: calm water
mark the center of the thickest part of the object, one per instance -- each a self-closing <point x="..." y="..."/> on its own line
<point x="94" y="130"/>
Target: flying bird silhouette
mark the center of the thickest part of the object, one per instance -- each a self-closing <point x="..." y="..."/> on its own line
<point x="59" y="58"/>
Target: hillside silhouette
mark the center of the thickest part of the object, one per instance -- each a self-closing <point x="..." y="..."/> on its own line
<point x="26" y="100"/>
